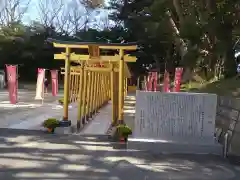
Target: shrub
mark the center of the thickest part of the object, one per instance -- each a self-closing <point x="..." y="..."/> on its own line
<point x="51" y="123"/>
<point x="61" y="101"/>
<point x="123" y="130"/>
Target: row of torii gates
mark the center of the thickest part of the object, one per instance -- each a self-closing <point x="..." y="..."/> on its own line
<point x="96" y="79"/>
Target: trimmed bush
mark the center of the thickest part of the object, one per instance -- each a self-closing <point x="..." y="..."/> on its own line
<point x="61" y="101"/>
<point x="123" y="131"/>
<point x="51" y="123"/>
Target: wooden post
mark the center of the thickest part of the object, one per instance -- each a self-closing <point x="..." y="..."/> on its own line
<point x="112" y="78"/>
<point x="92" y="95"/>
<point x="89" y="83"/>
<point x="121" y="87"/>
<point x="66" y="85"/>
<point x="96" y="93"/>
<point x="84" y="93"/>
<point x="79" y="116"/>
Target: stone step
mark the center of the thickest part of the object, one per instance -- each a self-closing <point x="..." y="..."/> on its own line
<point x="156" y="147"/>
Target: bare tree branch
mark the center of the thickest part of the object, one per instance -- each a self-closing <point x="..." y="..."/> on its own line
<point x="68" y="17"/>
<point x="12" y="10"/>
<point x="49" y="10"/>
<point x="77" y="15"/>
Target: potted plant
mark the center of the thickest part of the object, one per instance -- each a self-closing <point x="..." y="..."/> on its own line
<point x="123" y="131"/>
<point x="51" y="124"/>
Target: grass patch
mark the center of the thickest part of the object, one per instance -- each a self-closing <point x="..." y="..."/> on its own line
<point x="192" y="86"/>
<point x="225" y="87"/>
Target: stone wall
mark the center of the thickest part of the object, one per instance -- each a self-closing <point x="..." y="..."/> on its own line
<point x="228" y="120"/>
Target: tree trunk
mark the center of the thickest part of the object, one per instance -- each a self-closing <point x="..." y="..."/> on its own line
<point x="177" y="6"/>
<point x="230" y="65"/>
<point x="178" y="40"/>
<point x="187" y="74"/>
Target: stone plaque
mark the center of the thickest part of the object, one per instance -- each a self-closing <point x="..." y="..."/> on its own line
<point x="175" y="115"/>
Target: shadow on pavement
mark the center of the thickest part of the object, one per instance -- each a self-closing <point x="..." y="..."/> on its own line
<point x="26" y="155"/>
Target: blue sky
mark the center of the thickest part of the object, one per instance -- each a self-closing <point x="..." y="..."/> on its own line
<point x="32" y="13"/>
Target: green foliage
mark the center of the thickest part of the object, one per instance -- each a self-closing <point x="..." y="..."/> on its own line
<point x="26" y="45"/>
<point x="208" y="29"/>
<point x="61" y="101"/>
<point x="51" y="123"/>
<point x="123" y="130"/>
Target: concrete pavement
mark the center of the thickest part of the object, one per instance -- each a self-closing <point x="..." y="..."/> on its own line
<point x="27" y="107"/>
<point x="26" y="155"/>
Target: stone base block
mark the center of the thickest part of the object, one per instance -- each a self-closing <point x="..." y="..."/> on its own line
<point x="65" y="123"/>
<point x="66" y="130"/>
<point x="163" y="146"/>
<point x="63" y="130"/>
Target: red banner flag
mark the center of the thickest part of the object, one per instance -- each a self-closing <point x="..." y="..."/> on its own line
<point x="154" y="79"/>
<point x="12" y="83"/>
<point x="166" y="82"/>
<point x="149" y="82"/>
<point x="40" y="84"/>
<point x="177" y="79"/>
<point x="54" y="75"/>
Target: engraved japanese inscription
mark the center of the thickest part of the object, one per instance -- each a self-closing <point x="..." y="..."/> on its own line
<point x="162" y="115"/>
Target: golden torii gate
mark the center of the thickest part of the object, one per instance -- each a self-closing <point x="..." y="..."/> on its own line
<point x="112" y="76"/>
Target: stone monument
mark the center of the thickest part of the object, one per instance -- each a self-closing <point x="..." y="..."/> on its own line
<point x="186" y="119"/>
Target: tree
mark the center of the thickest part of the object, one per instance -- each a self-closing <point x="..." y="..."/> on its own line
<point x="208" y="28"/>
<point x="201" y="31"/>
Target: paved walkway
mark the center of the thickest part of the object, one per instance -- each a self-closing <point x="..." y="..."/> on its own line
<point x="28" y="112"/>
<point x="101" y="122"/>
<point x="33" y="120"/>
<point x="33" y="155"/>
